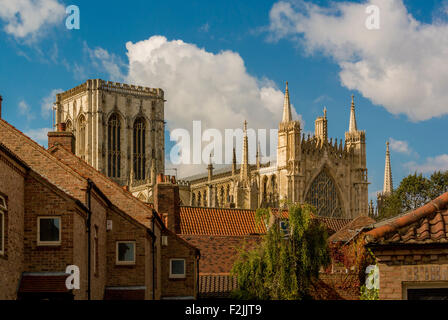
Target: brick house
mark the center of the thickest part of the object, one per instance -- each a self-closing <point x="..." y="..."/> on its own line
<point x="220" y="233"/>
<point x="53" y="204"/>
<point x="412" y="253"/>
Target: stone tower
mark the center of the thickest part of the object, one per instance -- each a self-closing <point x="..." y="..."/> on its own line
<point x="288" y="153"/>
<point x="119" y="130"/>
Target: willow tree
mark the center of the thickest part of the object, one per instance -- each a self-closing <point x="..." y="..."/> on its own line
<point x="287" y="260"/>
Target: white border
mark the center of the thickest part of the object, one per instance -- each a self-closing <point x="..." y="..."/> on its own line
<point x="124" y="262"/>
<point x="177" y="276"/>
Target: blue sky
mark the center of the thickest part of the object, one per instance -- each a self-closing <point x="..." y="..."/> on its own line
<point x="268" y="43"/>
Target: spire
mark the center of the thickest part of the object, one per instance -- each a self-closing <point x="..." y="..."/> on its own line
<point x="352" y="126"/>
<point x="245" y="164"/>
<point x="210" y="168"/>
<point x="286" y="106"/>
<point x="388" y="184"/>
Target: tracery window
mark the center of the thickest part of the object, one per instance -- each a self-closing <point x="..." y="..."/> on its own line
<point x="68" y="126"/>
<point x="139" y="149"/>
<point x="113" y="142"/>
<point x="323" y="195"/>
<point x="193" y="199"/>
<point x="82" y="137"/>
<point x="199" y="199"/>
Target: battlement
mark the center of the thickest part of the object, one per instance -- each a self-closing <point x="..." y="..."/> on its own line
<point x="116" y="87"/>
<point x="288" y="126"/>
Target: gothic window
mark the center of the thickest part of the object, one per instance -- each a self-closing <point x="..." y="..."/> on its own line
<point x="265" y="187"/>
<point x="113" y="143"/>
<point x="139" y="149"/>
<point x="228" y="194"/>
<point x="82" y="137"/>
<point x="68" y="126"/>
<point x="193" y="199"/>
<point x="323" y="195"/>
<point x="222" y="196"/>
<point x="199" y="199"/>
<point x="205" y="198"/>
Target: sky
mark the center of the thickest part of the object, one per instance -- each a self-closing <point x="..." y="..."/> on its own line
<point x="223" y="62"/>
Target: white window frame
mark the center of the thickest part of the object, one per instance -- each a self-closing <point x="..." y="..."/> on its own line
<point x="124" y="263"/>
<point x="178" y="276"/>
<point x="49" y="243"/>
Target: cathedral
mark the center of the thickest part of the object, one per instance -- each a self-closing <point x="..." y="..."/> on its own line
<point x="119" y="129"/>
<point x="328" y="174"/>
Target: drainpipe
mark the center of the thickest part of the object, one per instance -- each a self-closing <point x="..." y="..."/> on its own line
<point x="89" y="222"/>
<point x="153" y="260"/>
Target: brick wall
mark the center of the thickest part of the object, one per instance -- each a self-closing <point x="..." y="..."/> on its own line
<point x="178" y="249"/>
<point x="124" y="229"/>
<point x="167" y="202"/>
<point x="412" y="267"/>
<point x="11" y="264"/>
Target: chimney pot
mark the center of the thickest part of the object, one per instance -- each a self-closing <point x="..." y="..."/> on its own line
<point x="61" y="126"/>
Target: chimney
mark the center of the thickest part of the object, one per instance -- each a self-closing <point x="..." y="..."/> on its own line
<point x="167" y="201"/>
<point x="61" y="137"/>
<point x="1" y="99"/>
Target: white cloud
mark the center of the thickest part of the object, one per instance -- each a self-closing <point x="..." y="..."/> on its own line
<point x="402" y="66"/>
<point x="105" y="61"/>
<point x="39" y="135"/>
<point x="399" y="146"/>
<point x="27" y="18"/>
<point x="47" y="103"/>
<point x="201" y="85"/>
<point x="430" y="165"/>
<point x="25" y="110"/>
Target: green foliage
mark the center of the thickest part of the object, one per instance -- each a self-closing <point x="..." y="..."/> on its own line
<point x="369" y="294"/>
<point x="283" y="266"/>
<point x="414" y="191"/>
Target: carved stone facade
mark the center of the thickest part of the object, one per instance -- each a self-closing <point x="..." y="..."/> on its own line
<point x="330" y="174"/>
<point x="118" y="129"/>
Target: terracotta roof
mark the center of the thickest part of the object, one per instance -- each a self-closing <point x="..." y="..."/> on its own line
<point x="427" y="224"/>
<point x="236" y="222"/>
<point x="216" y="285"/>
<point x="43" y="283"/>
<point x="350" y="230"/>
<point x="333" y="224"/>
<point x="219" y="221"/>
<point x="121" y="198"/>
<point x="218" y="253"/>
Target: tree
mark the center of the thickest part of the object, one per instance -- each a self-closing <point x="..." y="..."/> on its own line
<point x="284" y="264"/>
<point x="414" y="191"/>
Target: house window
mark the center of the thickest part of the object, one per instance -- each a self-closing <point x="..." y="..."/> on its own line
<point x="48" y="230"/>
<point x="177" y="268"/>
<point x="3" y="209"/>
<point x="125" y="252"/>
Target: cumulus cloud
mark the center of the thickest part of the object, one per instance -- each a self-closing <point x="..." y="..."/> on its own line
<point x="46" y="106"/>
<point x="39" y="135"/>
<point x="402" y="66"/>
<point x="27" y="18"/>
<point x="200" y="85"/>
<point x="399" y="146"/>
<point x="430" y="165"/>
